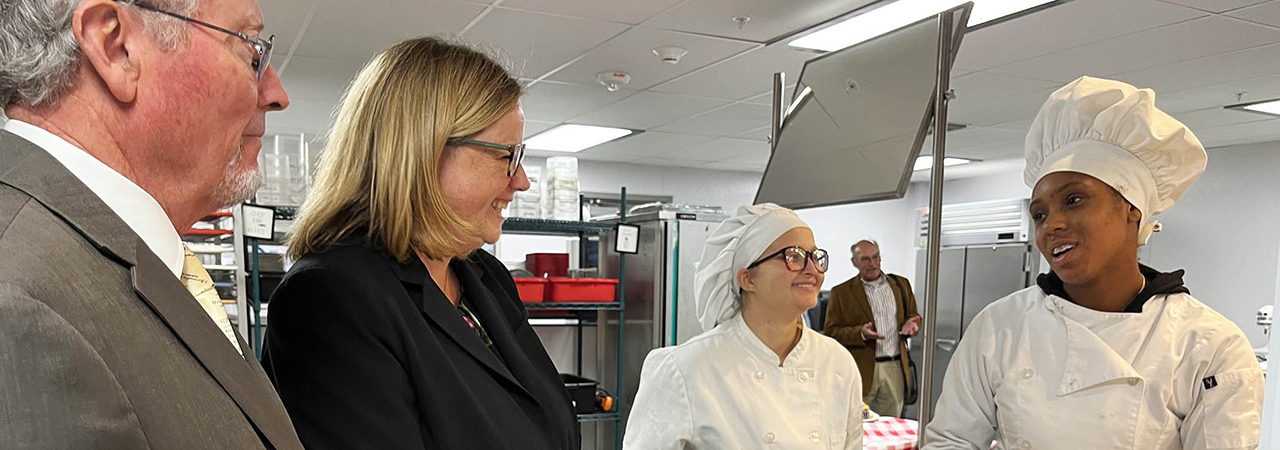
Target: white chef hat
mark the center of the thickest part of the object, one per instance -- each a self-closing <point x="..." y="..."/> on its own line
<point x="734" y="245"/>
<point x="1113" y="132"/>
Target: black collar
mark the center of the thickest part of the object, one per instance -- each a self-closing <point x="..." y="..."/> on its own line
<point x="1158" y="283"/>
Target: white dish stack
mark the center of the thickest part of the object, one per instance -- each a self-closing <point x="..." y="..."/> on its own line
<point x="562" y="188"/>
<point x="528" y="204"/>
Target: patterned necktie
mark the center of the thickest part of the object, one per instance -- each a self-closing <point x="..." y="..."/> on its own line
<point x="198" y="282"/>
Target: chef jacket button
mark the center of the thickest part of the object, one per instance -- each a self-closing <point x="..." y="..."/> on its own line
<point x="813" y="437"/>
<point x="759" y="375"/>
<point x="804" y="377"/>
<point x="768" y="438"/>
<point x="1133" y="381"/>
<point x="1028" y="373"/>
<point x="1024" y="445"/>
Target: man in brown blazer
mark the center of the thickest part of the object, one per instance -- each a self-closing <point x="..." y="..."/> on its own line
<point x="867" y="315"/>
<point x="129" y="120"/>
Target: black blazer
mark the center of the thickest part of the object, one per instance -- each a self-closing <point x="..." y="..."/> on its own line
<point x="368" y="353"/>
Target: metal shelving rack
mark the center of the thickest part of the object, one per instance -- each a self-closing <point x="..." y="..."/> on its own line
<point x="581" y="312"/>
<point x="249" y="292"/>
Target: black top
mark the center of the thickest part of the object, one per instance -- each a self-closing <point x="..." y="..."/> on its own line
<point x="1158" y="283"/>
<point x="369" y="353"/>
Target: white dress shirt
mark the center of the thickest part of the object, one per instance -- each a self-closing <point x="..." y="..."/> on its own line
<point x="724" y="389"/>
<point x="884" y="310"/>
<point x="138" y="209"/>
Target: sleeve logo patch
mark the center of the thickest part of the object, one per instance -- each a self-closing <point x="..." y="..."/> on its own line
<point x="1210" y="383"/>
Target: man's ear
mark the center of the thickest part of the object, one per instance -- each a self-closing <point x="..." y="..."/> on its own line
<point x="109" y="39"/>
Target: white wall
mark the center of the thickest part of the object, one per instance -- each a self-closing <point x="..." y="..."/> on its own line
<point x="1223" y="233"/>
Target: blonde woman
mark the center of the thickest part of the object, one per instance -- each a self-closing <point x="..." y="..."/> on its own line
<point x="393" y="330"/>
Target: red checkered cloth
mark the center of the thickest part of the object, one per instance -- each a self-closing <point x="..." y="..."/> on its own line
<point x="889" y="433"/>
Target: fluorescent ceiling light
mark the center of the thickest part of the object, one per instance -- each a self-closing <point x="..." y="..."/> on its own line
<point x="574" y="138"/>
<point x="926" y="162"/>
<point x="1271" y="107"/>
<point x="900" y="13"/>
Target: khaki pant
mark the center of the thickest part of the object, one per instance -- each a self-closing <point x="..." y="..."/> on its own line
<point x="887" y="389"/>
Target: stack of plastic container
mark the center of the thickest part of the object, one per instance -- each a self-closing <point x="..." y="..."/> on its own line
<point x="562" y="188"/>
<point x="528" y="204"/>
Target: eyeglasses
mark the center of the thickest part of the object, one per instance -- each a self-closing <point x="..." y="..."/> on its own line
<point x="797" y="259"/>
<point x="516" y="151"/>
<point x="261" y="47"/>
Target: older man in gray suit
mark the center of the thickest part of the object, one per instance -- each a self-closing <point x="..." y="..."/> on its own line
<point x="129" y="121"/>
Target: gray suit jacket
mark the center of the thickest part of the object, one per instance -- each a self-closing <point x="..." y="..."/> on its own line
<point x="100" y="345"/>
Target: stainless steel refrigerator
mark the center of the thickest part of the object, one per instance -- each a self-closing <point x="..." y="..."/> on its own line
<point x="988" y="252"/>
<point x="659" y="292"/>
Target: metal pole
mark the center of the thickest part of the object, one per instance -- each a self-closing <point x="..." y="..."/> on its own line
<point x="257" y="299"/>
<point x="778" y="108"/>
<point x="942" y="94"/>
<point x="622" y="314"/>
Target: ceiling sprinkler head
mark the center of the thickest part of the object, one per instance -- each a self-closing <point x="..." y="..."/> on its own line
<point x="613" y="81"/>
<point x="742" y="20"/>
<point x="670" y="54"/>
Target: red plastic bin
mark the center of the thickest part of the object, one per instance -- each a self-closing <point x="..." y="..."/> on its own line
<point x="547" y="264"/>
<point x="581" y="290"/>
<point x="532" y="290"/>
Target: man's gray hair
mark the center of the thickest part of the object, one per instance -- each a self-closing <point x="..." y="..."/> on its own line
<point x="853" y="249"/>
<point x="39" y="55"/>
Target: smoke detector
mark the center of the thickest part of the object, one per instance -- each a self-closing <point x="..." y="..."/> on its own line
<point x="670" y="54"/>
<point x="613" y="80"/>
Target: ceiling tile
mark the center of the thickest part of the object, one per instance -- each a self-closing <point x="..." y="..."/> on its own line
<point x="986" y="87"/>
<point x="745" y="76"/>
<point x="769" y="19"/>
<point x="1216" y="69"/>
<point x="318" y="79"/>
<point x="356" y="32"/>
<point x="975" y="137"/>
<point x="1265" y="13"/>
<point x="1009" y="109"/>
<point x="621" y="11"/>
<point x="1206" y="119"/>
<point x="741" y="150"/>
<point x="556" y="102"/>
<point x="284" y="19"/>
<point x="1061" y="27"/>
<point x="1021" y="126"/>
<point x="532" y="128"/>
<point x="645" y="145"/>
<point x="647" y="110"/>
<point x="767" y="97"/>
<point x="1244" y="133"/>
<point x="1180" y="42"/>
<point x="632" y="52"/>
<point x="1215" y="6"/>
<point x="728" y="121"/>
<point x="1255" y="89"/>
<point x="538" y="43"/>
<point x="759" y="134"/>
<point x="756" y="168"/>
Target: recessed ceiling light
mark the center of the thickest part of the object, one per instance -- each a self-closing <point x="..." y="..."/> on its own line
<point x="926" y="162"/>
<point x="1269" y="107"/>
<point x="574" y="138"/>
<point x="900" y="13"/>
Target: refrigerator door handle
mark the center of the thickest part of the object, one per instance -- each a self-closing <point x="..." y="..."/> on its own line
<point x="946" y="345"/>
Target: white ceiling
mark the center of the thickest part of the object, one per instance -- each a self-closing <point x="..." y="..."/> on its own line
<point x="712" y="109"/>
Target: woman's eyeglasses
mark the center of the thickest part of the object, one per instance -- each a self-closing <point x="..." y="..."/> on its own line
<point x="516" y="151"/>
<point x="798" y="258"/>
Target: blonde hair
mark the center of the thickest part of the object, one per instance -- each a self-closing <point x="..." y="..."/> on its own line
<point x="380" y="169"/>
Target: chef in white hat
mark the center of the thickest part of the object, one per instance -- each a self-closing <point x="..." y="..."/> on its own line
<point x="757" y="378"/>
<point x="1104" y="353"/>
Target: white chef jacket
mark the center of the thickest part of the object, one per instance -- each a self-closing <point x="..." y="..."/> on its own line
<point x="723" y="389"/>
<point x="1038" y="371"/>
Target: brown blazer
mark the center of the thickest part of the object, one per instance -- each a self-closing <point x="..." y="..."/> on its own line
<point x="848" y="310"/>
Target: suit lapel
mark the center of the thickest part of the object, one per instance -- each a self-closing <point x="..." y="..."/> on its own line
<point x="440" y="311"/>
<point x="860" y="292"/>
<point x="190" y="323"/>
